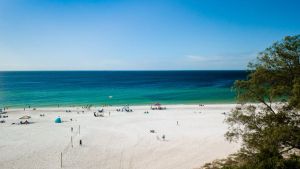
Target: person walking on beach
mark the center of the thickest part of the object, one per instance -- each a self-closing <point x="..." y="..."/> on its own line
<point x="163" y="137"/>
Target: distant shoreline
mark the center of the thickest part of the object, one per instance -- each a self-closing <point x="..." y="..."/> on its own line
<point x="118" y="105"/>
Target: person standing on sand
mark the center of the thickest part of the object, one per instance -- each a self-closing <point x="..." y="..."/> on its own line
<point x="163" y="137"/>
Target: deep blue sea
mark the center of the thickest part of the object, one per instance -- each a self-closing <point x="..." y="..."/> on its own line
<point x="50" y="88"/>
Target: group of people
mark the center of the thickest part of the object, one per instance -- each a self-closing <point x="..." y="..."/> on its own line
<point x="25" y="122"/>
<point x="3" y="116"/>
<point x="126" y="109"/>
<point x="158" y="108"/>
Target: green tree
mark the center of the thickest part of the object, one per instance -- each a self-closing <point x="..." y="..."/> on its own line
<point x="267" y="121"/>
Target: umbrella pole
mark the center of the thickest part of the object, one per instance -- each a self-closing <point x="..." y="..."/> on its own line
<point x="61" y="160"/>
<point x="72" y="141"/>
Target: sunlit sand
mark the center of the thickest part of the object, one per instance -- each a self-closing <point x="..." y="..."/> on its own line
<point x="194" y="135"/>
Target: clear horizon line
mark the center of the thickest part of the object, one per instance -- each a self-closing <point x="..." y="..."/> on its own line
<point x="76" y="70"/>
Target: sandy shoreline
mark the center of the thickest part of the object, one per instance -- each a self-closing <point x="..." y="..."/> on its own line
<point x="121" y="140"/>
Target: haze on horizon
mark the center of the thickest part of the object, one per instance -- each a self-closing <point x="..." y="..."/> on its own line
<point x="140" y="35"/>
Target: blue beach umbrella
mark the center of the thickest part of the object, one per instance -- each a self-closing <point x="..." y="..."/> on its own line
<point x="58" y="120"/>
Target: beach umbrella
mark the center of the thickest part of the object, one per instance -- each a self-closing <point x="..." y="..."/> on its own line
<point x="58" y="120"/>
<point x="157" y="104"/>
<point x="25" y="117"/>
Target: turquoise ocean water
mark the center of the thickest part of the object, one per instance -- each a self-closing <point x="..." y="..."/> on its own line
<point x="50" y="88"/>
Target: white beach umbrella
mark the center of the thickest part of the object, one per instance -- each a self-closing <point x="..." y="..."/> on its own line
<point x="25" y="117"/>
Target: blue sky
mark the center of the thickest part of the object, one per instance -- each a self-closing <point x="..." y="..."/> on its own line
<point x="140" y="35"/>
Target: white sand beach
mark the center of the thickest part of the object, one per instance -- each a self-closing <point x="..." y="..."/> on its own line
<point x="120" y="141"/>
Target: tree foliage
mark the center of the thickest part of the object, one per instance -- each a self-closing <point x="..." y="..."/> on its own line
<point x="267" y="121"/>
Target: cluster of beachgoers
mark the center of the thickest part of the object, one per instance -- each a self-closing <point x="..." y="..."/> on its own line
<point x="148" y="136"/>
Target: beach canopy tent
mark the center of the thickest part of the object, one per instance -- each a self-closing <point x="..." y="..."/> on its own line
<point x="126" y="108"/>
<point x="25" y="117"/>
<point x="2" y="112"/>
<point x="157" y="104"/>
<point x="58" y="120"/>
